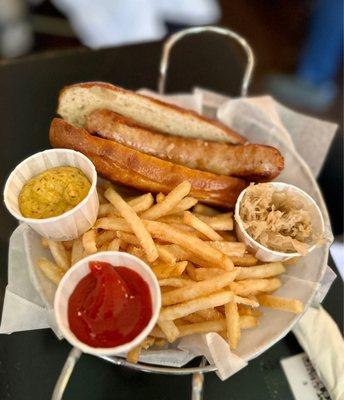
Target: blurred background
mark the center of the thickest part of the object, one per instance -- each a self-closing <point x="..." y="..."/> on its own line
<point x="298" y="45"/>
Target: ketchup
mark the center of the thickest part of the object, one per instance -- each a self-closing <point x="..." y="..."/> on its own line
<point x="109" y="306"/>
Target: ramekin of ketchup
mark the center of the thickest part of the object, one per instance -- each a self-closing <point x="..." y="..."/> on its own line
<point x="107" y="303"/>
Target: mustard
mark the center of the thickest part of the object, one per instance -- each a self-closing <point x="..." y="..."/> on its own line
<point x="53" y="192"/>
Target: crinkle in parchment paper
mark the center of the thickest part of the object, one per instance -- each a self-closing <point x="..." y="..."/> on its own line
<point x="251" y="122"/>
<point x="263" y="120"/>
<point x="216" y="350"/>
<point x="23" y="307"/>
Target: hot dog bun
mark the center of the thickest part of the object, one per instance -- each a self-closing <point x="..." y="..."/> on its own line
<point x="77" y="101"/>
<point x="252" y="162"/>
<point x="131" y="167"/>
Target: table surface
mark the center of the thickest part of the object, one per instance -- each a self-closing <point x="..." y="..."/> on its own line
<point x="31" y="361"/>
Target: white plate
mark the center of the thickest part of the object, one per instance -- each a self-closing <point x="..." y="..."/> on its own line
<point x="301" y="280"/>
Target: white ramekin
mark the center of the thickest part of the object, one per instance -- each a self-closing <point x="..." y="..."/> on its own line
<point x="70" y="224"/>
<point x="77" y="272"/>
<point x="263" y="253"/>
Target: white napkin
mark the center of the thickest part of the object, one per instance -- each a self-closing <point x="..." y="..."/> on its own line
<point x="321" y="339"/>
<point x="216" y="351"/>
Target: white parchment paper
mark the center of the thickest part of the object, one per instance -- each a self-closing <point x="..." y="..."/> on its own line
<point x="261" y="120"/>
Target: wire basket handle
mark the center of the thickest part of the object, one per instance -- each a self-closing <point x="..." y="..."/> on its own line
<point x="173" y="39"/>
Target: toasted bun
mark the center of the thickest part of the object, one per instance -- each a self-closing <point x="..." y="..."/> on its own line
<point x="77" y="101"/>
<point x="133" y="168"/>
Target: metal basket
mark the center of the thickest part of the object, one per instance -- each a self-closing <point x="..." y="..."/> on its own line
<point x="197" y="372"/>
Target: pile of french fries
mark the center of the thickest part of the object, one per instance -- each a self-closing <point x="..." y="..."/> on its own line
<point x="208" y="280"/>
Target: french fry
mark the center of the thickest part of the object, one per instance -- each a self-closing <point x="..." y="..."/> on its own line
<point x="247" y="260"/>
<point x="179" y="268"/>
<point x="181" y="310"/>
<point x="192" y="318"/>
<point x="201" y="327"/>
<point x="141" y="203"/>
<point x="182" y="227"/>
<point x="104" y="247"/>
<point x="134" y="354"/>
<point x="137" y="251"/>
<point x="207" y="280"/>
<point x="113" y="224"/>
<point x="191" y="271"/>
<point x="261" y="271"/>
<point x="195" y="245"/>
<point x="165" y="254"/>
<point x="245" y="310"/>
<point x="169" y="202"/>
<point x="175" y="219"/>
<point x="114" y="245"/>
<point x="232" y="324"/>
<point x="205" y="210"/>
<point x="156" y="332"/>
<point x="128" y="238"/>
<point x="198" y="289"/>
<point x="220" y="222"/>
<point x="210" y="314"/>
<point x="232" y="249"/>
<point x="202" y="263"/>
<point x="183" y="205"/>
<point x="253" y="286"/>
<point x="135" y="223"/>
<point x="280" y="303"/>
<point x="169" y="329"/>
<point x="177" y="251"/>
<point x="159" y="342"/>
<point x="50" y="270"/>
<point x="202" y="274"/>
<point x="249" y="301"/>
<point x="89" y="241"/>
<point x="175" y="282"/>
<point x="188" y="229"/>
<point x="200" y="226"/>
<point x="124" y="246"/>
<point x="160" y="197"/>
<point x="218" y="325"/>
<point x="77" y="251"/>
<point x="105" y="237"/>
<point x="148" y="342"/>
<point x="163" y="270"/>
<point x="59" y="254"/>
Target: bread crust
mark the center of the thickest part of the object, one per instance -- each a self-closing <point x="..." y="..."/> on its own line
<point x="233" y="137"/>
<point x="252" y="162"/>
<point x="130" y="167"/>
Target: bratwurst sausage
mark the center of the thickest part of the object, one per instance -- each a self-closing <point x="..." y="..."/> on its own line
<point x="249" y="161"/>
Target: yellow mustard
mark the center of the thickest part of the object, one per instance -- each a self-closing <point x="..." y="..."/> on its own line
<point x="53" y="192"/>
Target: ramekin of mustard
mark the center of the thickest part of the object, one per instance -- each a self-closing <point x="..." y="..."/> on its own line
<point x="54" y="192"/>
